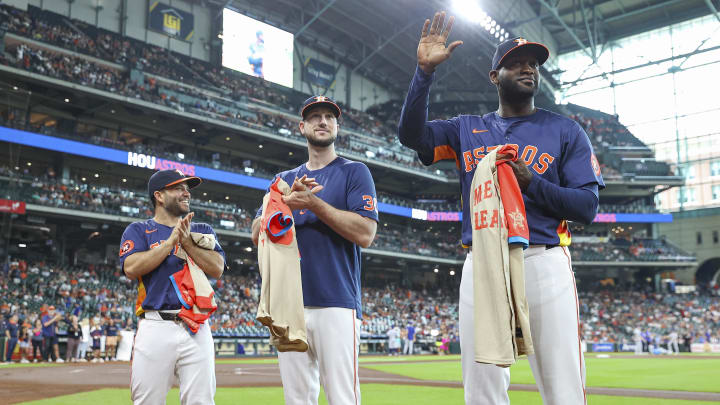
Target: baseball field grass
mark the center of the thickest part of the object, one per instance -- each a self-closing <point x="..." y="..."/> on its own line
<point x="652" y="373"/>
<point x="372" y="394"/>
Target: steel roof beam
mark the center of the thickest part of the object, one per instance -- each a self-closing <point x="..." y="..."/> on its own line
<point x="559" y="19"/>
<point x="315" y="17"/>
<point x="642" y="10"/>
<point x="381" y="46"/>
<point x="713" y="9"/>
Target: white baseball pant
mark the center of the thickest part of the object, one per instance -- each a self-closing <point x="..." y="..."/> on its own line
<point x="558" y="363"/>
<point x="164" y="350"/>
<point x="331" y="360"/>
<point x="408" y="348"/>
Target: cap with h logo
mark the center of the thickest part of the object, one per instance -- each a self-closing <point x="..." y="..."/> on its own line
<point x="317" y="101"/>
<point x="513" y="45"/>
<point x="166" y="178"/>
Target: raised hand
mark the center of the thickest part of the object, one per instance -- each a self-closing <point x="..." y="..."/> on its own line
<point x="431" y="49"/>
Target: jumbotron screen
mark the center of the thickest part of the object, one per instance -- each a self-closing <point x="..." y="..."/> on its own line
<point x="257" y="49"/>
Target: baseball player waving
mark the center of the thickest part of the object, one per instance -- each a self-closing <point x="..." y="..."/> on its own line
<point x="164" y="347"/>
<point x="333" y="203"/>
<point x="559" y="177"/>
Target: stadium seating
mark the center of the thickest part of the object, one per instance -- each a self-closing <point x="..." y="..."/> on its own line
<point x="608" y="315"/>
<point x="194" y="86"/>
<point x="75" y="194"/>
<point x="612" y="316"/>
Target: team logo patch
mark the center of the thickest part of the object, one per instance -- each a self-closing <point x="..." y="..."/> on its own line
<point x="127" y="246"/>
<point x="179" y="172"/>
<point x="595" y="164"/>
<point x="521" y="41"/>
<point x="517" y="218"/>
<point x="320" y="98"/>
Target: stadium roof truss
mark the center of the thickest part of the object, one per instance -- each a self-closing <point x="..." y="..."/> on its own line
<point x="377" y="38"/>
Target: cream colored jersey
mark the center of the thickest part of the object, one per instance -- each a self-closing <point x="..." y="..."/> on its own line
<point x="499" y="234"/>
<point x="281" y="297"/>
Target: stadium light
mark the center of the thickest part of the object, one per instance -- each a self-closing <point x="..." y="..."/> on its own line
<point x="97" y="175"/>
<point x="204" y="194"/>
<point x="260" y="146"/>
<point x="452" y="272"/>
<point x="15" y="87"/>
<point x="436" y="270"/>
<point x="29" y="163"/>
<point x="227" y="197"/>
<point x="22" y="245"/>
<point x="83" y="179"/>
<point x="471" y="10"/>
<point x="67" y="100"/>
<point x="193" y="130"/>
<point x="248" y="249"/>
<point x="227" y="138"/>
<point x="124" y="180"/>
<point x="290" y="153"/>
<point x="181" y="156"/>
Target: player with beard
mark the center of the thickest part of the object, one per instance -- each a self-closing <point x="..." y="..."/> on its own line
<point x="164" y="348"/>
<point x="334" y="206"/>
<point x="559" y="176"/>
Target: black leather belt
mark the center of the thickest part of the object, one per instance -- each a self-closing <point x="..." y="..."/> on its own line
<point x="166" y="316"/>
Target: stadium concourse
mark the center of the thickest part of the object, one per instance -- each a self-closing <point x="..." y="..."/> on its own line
<point x="89" y="112"/>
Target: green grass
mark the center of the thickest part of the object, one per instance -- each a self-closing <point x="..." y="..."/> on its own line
<point x="18" y="365"/>
<point x="363" y="359"/>
<point x="375" y="394"/>
<point x="645" y="373"/>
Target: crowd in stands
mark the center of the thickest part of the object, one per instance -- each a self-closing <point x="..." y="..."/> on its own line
<point x="605" y="132"/>
<point x="635" y="207"/>
<point x="624" y="250"/>
<point x="82" y="303"/>
<point x="613" y="316"/>
<point x="219" y="92"/>
<point x="46" y="189"/>
<point x="196" y="86"/>
<point x="99" y="301"/>
<point x="101" y="296"/>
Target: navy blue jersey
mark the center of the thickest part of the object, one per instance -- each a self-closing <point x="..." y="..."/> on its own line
<point x="330" y="264"/>
<point x="555" y="148"/>
<point x="48" y="331"/>
<point x="155" y="291"/>
<point x="12" y="328"/>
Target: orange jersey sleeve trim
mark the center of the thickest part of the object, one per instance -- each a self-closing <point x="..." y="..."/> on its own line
<point x="445" y="152"/>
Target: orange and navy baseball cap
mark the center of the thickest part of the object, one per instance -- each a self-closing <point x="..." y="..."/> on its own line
<point x="166" y="178"/>
<point x="512" y="45"/>
<point x="317" y="101"/>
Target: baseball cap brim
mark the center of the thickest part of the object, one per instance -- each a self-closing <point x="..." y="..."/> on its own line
<point x="192" y="182"/>
<point x="315" y="104"/>
<point x="541" y="52"/>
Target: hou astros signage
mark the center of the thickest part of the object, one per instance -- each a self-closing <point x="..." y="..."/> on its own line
<point x="156" y="163"/>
